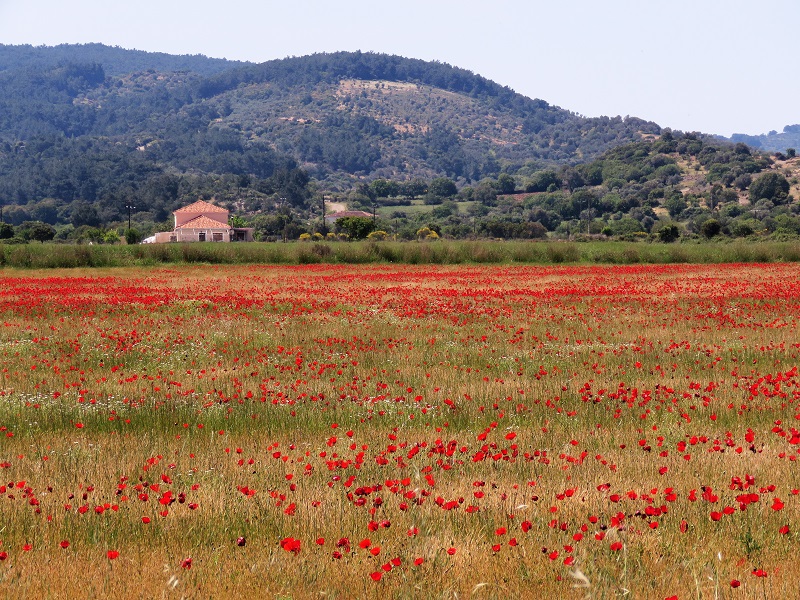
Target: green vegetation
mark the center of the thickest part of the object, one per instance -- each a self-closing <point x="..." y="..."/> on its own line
<point x="91" y="146"/>
<point x="787" y="141"/>
<point x="430" y="250"/>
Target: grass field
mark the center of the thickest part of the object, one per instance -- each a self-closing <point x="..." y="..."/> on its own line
<point x="380" y="431"/>
<point x="441" y="252"/>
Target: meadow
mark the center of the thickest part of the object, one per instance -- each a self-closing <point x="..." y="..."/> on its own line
<point x="440" y="252"/>
<point x="416" y="431"/>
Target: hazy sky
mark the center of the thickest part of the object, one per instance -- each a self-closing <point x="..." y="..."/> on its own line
<point x="717" y="66"/>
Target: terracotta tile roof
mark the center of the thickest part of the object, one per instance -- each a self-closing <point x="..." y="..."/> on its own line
<point x="203" y="222"/>
<point x="201" y="206"/>
<point x="348" y="213"/>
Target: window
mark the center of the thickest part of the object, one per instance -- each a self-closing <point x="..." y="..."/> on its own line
<point x="173" y="238"/>
<point x="201" y="237"/>
<point x="216" y="237"/>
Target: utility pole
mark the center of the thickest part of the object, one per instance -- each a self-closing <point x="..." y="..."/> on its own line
<point x="284" y="212"/>
<point x="130" y="208"/>
<point x="588" y="216"/>
<point x="324" y="225"/>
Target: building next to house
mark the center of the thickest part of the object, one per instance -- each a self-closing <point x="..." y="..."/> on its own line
<point x="203" y="222"/>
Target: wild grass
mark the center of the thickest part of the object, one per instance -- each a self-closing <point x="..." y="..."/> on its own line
<point x="356" y="402"/>
<point x="54" y="256"/>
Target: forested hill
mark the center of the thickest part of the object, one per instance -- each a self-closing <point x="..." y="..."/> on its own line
<point x="772" y="141"/>
<point x="115" y="61"/>
<point x="86" y="130"/>
<point x="342" y="115"/>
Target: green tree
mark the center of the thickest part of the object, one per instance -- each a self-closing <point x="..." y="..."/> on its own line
<point x="84" y="213"/>
<point x="669" y="233"/>
<point x="506" y="184"/>
<point x="385" y="188"/>
<point x="710" y="228"/>
<point x="542" y="180"/>
<point x="442" y="187"/>
<point x="132" y="236"/>
<point x="237" y="221"/>
<point x="357" y="228"/>
<point x="485" y="193"/>
<point x="36" y="230"/>
<point x="675" y="205"/>
<point x="772" y="186"/>
<point x="414" y="188"/>
<point x="46" y="211"/>
<point x="6" y="231"/>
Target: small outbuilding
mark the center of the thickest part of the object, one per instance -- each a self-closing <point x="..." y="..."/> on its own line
<point x="331" y="218"/>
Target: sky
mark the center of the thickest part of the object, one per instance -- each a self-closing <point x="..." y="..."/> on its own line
<point x="715" y="66"/>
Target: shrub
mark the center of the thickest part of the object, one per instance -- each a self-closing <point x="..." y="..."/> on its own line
<point x="378" y="235"/>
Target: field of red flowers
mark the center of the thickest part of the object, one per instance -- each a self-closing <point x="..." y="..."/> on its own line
<point x="395" y="431"/>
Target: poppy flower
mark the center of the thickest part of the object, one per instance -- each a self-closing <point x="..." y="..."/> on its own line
<point x="112" y="554"/>
<point x="64" y="544"/>
<point x="291" y="545"/>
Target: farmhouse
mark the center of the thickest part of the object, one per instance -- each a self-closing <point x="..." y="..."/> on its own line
<point x="331" y="218"/>
<point x="203" y="222"/>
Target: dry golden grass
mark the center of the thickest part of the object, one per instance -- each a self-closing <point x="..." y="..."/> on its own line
<point x="572" y="410"/>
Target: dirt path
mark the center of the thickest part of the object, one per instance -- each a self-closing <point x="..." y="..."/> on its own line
<point x="331" y="207"/>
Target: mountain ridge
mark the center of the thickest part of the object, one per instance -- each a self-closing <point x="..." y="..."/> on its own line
<point x="87" y="135"/>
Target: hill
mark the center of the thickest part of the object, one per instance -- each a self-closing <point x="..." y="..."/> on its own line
<point x="377" y="115"/>
<point x="773" y="141"/>
<point x="343" y="116"/>
<point x="88" y="131"/>
<point x="676" y="185"/>
<point x="115" y="61"/>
